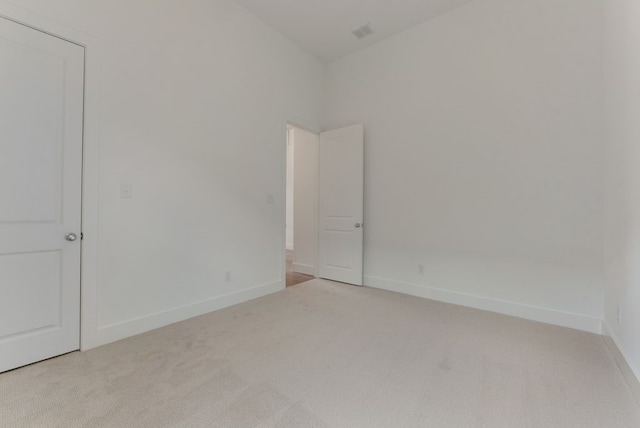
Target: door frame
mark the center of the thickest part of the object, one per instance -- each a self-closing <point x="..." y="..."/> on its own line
<point x="300" y="124"/>
<point x="89" y="332"/>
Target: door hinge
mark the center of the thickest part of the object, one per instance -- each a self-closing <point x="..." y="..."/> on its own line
<point x="81" y="236"/>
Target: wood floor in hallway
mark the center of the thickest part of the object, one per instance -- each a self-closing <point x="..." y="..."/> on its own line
<point x="295" y="278"/>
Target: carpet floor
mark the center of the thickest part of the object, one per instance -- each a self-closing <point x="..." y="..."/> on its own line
<point x="330" y="355"/>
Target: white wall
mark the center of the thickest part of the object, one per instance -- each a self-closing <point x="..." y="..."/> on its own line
<point x="289" y="189"/>
<point x="305" y="255"/>
<point x="484" y="157"/>
<point x="622" y="266"/>
<point x="193" y="99"/>
<point x="483" y="160"/>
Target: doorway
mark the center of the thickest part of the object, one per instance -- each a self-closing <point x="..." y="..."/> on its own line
<point x="301" y="205"/>
<point x="325" y="205"/>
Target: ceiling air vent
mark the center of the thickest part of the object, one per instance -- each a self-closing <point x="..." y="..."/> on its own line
<point x="363" y="31"/>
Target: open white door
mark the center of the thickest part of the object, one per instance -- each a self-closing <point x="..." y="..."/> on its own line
<point x="41" y="108"/>
<point x="341" y="204"/>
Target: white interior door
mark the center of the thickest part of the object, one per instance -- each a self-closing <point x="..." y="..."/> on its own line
<point x="341" y="204"/>
<point x="41" y="108"/>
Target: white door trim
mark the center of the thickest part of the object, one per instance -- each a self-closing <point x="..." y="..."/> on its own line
<point x="89" y="334"/>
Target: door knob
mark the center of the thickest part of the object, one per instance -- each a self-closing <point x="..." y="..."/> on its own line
<point x="71" y="237"/>
<point x="358" y="225"/>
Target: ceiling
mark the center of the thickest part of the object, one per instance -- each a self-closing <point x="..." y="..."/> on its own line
<point x="324" y="27"/>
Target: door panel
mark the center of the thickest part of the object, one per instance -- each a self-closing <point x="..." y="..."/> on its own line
<point x="33" y="282"/>
<point x="340" y="243"/>
<point x="41" y="108"/>
<point x="342" y="204"/>
<point x="19" y="104"/>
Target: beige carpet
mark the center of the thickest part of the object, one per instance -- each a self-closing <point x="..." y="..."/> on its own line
<point x="329" y="355"/>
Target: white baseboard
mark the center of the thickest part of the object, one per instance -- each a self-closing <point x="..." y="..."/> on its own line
<point x="302" y="268"/>
<point x="549" y="316"/>
<point x="630" y="376"/>
<point x="122" y="330"/>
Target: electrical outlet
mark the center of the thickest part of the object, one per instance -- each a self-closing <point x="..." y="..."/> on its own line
<point x="227" y="276"/>
<point x="619" y="315"/>
<point x="420" y="269"/>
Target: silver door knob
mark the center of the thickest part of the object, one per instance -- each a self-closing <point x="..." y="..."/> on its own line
<point x="358" y="225"/>
<point x="71" y="237"/>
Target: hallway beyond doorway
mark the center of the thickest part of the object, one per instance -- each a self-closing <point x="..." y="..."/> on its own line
<point x="294" y="278"/>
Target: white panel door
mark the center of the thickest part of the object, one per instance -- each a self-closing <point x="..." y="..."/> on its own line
<point x="341" y="204"/>
<point x="41" y="108"/>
